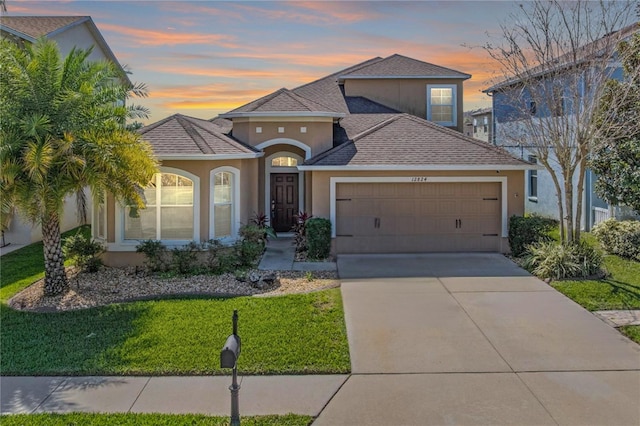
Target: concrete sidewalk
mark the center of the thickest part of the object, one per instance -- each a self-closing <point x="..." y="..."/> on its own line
<point x="259" y="395"/>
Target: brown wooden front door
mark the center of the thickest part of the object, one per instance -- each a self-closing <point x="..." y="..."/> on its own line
<point x="284" y="201"/>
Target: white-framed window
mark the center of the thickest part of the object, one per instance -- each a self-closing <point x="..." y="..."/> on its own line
<point x="284" y="162"/>
<point x="171" y="211"/>
<point x="441" y="104"/>
<point x="225" y="199"/>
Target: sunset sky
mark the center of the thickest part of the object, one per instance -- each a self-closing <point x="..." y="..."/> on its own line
<point x="202" y="58"/>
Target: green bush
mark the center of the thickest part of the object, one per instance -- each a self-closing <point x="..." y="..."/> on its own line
<point x="248" y="252"/>
<point x="155" y="254"/>
<point x="527" y="230"/>
<point x="84" y="251"/>
<point x="252" y="233"/>
<point x="318" y="236"/>
<point x="549" y="259"/>
<point x="184" y="260"/>
<point x="619" y="237"/>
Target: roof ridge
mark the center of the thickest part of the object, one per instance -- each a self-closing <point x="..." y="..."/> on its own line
<point x="329" y="109"/>
<point x="152" y="126"/>
<point x="355" y="67"/>
<point x="220" y="135"/>
<point x="189" y="127"/>
<point x="378" y="126"/>
<point x="326" y="153"/>
<point x="263" y="100"/>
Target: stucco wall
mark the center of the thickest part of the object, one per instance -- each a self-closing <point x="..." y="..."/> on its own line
<point x="21" y="231"/>
<point x="318" y="136"/>
<point x="80" y="37"/>
<point x="406" y="95"/>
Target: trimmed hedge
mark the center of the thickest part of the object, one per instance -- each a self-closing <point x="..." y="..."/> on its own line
<point x="527" y="230"/>
<point x="318" y="233"/>
<point x="619" y="237"/>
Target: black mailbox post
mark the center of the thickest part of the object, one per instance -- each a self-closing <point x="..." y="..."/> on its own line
<point x="229" y="359"/>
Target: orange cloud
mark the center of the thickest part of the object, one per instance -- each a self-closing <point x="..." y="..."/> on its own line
<point x="289" y="76"/>
<point x="310" y="13"/>
<point x="170" y="38"/>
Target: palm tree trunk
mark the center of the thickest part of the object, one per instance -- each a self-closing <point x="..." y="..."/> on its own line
<point x="55" y="278"/>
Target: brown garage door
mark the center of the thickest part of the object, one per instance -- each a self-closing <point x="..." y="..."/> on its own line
<point x="417" y="217"/>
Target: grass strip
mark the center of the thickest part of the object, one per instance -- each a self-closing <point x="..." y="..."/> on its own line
<point x="134" y="419"/>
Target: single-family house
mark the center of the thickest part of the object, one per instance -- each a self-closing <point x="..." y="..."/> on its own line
<point x="68" y="32"/>
<point x="481" y="122"/>
<point x="377" y="148"/>
<point x="562" y="89"/>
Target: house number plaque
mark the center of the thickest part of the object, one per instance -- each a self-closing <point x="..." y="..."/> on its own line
<point x="419" y="179"/>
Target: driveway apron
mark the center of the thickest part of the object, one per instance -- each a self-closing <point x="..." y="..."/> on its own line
<point x="474" y="339"/>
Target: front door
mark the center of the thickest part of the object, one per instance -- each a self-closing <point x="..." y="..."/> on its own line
<point x="284" y="201"/>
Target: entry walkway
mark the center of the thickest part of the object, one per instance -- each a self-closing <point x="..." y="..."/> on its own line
<point x="280" y="255"/>
<point x="473" y="339"/>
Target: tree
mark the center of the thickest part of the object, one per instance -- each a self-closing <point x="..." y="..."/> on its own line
<point x="63" y="129"/>
<point x="554" y="59"/>
<point x="616" y="156"/>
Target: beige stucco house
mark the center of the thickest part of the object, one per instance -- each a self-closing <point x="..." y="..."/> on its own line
<point x="376" y="148"/>
<point x="68" y="32"/>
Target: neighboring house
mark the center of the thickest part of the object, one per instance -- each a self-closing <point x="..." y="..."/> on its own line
<point x="376" y="148"/>
<point x="481" y="121"/>
<point x="68" y="32"/>
<point x="507" y="120"/>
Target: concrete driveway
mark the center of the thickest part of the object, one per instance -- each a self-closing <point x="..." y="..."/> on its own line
<point x="474" y="339"/>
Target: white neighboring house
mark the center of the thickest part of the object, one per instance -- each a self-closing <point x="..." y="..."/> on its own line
<point x="68" y="32"/>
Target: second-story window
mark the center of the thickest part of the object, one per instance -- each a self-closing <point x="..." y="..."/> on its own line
<point x="441" y="104"/>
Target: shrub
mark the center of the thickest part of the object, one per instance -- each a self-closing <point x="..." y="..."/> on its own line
<point x="249" y="252"/>
<point x="299" y="231"/>
<point x="527" y="230"/>
<point x="262" y="221"/>
<point x="548" y="259"/>
<point x="220" y="258"/>
<point x="184" y="259"/>
<point x="318" y="236"/>
<point x="619" y="237"/>
<point x="84" y="251"/>
<point x="252" y="233"/>
<point x="155" y="254"/>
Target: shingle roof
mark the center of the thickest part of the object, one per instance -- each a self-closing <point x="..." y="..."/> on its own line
<point x="35" y="27"/>
<point x="326" y="90"/>
<point x="406" y="140"/>
<point x="224" y="124"/>
<point x="180" y="135"/>
<point x="398" y="66"/>
<point x="282" y="100"/>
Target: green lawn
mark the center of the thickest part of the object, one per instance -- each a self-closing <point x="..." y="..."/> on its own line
<point x="619" y="290"/>
<point x="130" y="419"/>
<point x="24" y="266"/>
<point x="295" y="334"/>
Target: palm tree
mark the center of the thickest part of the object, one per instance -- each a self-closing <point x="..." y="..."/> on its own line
<point x="63" y="128"/>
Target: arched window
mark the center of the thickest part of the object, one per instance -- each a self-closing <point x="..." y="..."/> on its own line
<point x="225" y="198"/>
<point x="284" y="162"/>
<point x="169" y="212"/>
<point x="222" y="204"/>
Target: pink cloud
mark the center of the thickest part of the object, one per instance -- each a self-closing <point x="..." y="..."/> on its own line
<point x="170" y="38"/>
